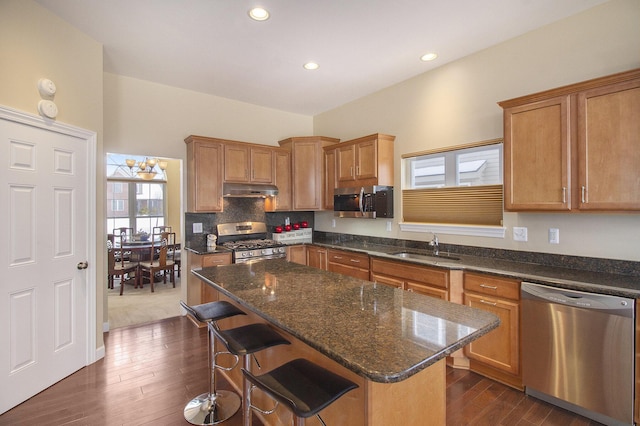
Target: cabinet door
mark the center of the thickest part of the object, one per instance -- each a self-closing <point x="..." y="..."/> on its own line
<point x="204" y="177"/>
<point x="537" y="168"/>
<point x="307" y="176"/>
<point x="236" y="163"/>
<point x="420" y="288"/>
<point x="345" y="164"/>
<point x="609" y="147"/>
<point x="329" y="178"/>
<point x="317" y="257"/>
<point x="297" y="254"/>
<point x="500" y="347"/>
<point x="283" y="180"/>
<point x="366" y="160"/>
<point x="261" y="165"/>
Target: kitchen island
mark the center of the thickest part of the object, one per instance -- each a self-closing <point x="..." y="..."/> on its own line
<point x="392" y="343"/>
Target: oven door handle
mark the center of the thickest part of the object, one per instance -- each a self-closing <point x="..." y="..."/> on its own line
<point x="361" y="200"/>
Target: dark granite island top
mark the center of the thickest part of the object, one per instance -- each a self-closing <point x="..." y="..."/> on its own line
<point x="381" y="333"/>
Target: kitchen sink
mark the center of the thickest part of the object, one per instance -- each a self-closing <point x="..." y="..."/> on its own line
<point x="423" y="256"/>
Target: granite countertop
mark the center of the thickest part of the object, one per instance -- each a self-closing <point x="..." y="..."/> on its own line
<point x="204" y="249"/>
<point x="381" y="333"/>
<point x="573" y="279"/>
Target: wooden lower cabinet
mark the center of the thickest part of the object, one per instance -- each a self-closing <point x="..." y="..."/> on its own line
<point x="348" y="263"/>
<point x="197" y="292"/>
<point x="425" y="280"/>
<point x="497" y="354"/>
<point x="297" y="254"/>
<point x="317" y="257"/>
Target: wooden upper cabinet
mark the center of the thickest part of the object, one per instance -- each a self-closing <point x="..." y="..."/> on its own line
<point x="307" y="170"/>
<point x="365" y="161"/>
<point x="329" y="177"/>
<point x="574" y="148"/>
<point x="204" y="175"/>
<point x="609" y="147"/>
<point x="537" y="152"/>
<point x="247" y="163"/>
<point x="282" y="180"/>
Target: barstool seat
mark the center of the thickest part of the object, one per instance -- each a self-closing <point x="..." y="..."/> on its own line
<point x="215" y="406"/>
<point x="304" y="387"/>
<point x="245" y="341"/>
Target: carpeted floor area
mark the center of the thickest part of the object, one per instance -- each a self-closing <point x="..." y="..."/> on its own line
<point x="140" y="306"/>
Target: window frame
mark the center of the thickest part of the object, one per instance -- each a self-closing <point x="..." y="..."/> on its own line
<point x="484" y="230"/>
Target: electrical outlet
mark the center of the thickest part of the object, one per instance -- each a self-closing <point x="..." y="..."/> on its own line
<point x="519" y="233"/>
<point x="333" y="223"/>
<point x="197" y="228"/>
<point x="389" y="226"/>
<point x="554" y="236"/>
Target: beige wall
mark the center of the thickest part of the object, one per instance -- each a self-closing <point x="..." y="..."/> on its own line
<point x="145" y="118"/>
<point x="34" y="44"/>
<point x="456" y="104"/>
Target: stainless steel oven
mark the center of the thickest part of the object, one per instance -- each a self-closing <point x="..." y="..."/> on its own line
<point x="249" y="242"/>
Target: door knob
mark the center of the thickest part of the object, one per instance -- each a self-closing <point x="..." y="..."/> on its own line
<point x="82" y="265"/>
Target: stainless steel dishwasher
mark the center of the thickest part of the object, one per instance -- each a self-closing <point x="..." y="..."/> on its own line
<point x="578" y="351"/>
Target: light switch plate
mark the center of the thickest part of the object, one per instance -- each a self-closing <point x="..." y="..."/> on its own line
<point x="519" y="233"/>
<point x="197" y="228"/>
<point x="389" y="226"/>
<point x="554" y="236"/>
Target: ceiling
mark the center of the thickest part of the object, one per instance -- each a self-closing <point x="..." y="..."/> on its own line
<point x="362" y="46"/>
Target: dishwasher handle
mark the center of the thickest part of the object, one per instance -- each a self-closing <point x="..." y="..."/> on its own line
<point x="614" y="305"/>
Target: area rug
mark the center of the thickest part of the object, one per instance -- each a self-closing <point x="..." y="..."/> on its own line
<point x="139" y="305"/>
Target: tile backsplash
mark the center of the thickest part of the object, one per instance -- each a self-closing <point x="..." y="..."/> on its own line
<point x="238" y="210"/>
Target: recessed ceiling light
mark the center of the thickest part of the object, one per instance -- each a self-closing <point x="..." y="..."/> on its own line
<point x="311" y="66"/>
<point x="428" y="57"/>
<point x="259" y="14"/>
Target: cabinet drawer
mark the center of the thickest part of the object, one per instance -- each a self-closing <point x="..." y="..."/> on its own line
<point x="355" y="260"/>
<point x="492" y="286"/>
<point x="216" y="259"/>
<point x="421" y="274"/>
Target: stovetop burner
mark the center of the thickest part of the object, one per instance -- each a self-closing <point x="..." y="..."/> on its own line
<point x="251" y="244"/>
<point x="248" y="241"/>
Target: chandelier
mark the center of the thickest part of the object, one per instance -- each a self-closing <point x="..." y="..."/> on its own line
<point x="146" y="169"/>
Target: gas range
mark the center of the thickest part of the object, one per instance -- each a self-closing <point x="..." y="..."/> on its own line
<point x="248" y="242"/>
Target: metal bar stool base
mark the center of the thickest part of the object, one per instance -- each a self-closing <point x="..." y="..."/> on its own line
<point x="203" y="410"/>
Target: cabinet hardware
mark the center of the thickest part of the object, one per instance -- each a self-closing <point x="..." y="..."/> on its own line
<point x="490" y="287"/>
<point x="351" y="171"/>
<point x="583" y="193"/>
<point x="564" y="194"/>
<point x="337" y="257"/>
<point x="487" y="302"/>
<point x="355" y="260"/>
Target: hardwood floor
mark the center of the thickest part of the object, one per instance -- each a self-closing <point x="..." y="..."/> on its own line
<point x="151" y="371"/>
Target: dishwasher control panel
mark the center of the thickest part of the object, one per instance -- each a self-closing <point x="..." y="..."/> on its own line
<point x="579" y="299"/>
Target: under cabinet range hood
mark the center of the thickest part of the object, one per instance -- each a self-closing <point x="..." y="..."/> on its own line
<point x="248" y="190"/>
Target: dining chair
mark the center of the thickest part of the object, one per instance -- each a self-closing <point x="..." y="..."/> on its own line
<point x="117" y="267"/>
<point x="162" y="258"/>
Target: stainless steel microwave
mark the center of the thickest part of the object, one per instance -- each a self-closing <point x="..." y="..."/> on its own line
<point x="365" y="201"/>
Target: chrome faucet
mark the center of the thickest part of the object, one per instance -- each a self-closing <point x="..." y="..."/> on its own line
<point x="435" y="244"/>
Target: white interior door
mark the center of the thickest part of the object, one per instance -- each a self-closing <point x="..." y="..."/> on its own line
<point x="44" y="290"/>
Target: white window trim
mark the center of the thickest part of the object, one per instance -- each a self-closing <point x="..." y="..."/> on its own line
<point x="466" y="230"/>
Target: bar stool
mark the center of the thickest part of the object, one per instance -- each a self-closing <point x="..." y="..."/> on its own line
<point x="304" y="387"/>
<point x="214" y="406"/>
<point x="245" y="341"/>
